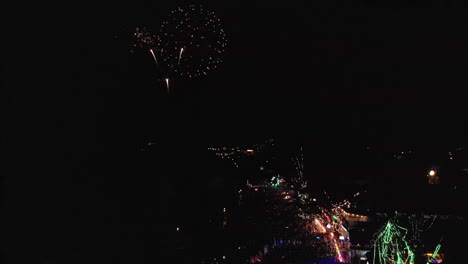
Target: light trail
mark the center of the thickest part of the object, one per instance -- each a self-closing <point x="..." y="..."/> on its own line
<point x="167" y="84"/>
<point x="180" y="55"/>
<point x="322" y="228"/>
<point x="154" y="56"/>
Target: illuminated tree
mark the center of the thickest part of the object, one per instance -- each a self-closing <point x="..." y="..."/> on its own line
<point x="391" y="246"/>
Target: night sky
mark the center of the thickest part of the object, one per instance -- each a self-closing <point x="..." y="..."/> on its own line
<point x="288" y="68"/>
<point x="336" y="76"/>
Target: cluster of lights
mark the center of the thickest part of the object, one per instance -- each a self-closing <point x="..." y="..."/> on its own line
<point x="276" y="181"/>
<point x="338" y="237"/>
<point x="320" y="226"/>
<point x="191" y="41"/>
<point x="227" y="153"/>
<point x="403" y="155"/>
<point x="390" y="245"/>
<point x="327" y="225"/>
<point x="332" y="241"/>
<point x="231" y="153"/>
<point x="363" y="217"/>
<point x="328" y="222"/>
<point x="337" y="249"/>
<point x="345" y="203"/>
<point x="144" y="38"/>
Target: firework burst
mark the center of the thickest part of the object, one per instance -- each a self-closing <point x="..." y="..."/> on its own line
<point x="191" y="41"/>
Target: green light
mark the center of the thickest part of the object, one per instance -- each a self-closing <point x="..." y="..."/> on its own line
<point x="391" y="246"/>
<point x="262" y="168"/>
<point x="436" y="251"/>
<point x="275" y="182"/>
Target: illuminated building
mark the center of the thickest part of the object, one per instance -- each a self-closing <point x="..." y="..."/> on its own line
<point x="352" y="219"/>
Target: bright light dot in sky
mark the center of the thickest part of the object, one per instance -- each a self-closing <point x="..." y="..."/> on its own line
<point x="432" y="173"/>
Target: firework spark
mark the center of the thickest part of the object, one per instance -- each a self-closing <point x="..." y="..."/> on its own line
<point x="144" y="38"/>
<point x="180" y="55"/>
<point x="167" y="84"/>
<point x="199" y="32"/>
<point x="154" y="56"/>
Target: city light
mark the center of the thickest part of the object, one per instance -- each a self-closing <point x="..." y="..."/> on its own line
<point x="361" y="160"/>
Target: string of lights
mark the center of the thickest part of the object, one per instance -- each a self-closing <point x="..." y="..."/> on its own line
<point x="391" y="246"/>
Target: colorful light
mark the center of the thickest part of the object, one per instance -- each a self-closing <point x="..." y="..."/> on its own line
<point x="391" y="246"/>
<point x="191" y="41"/>
<point x="321" y="227"/>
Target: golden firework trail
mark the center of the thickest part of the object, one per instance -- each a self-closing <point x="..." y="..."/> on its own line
<point x="180" y="55"/>
<point x="154" y="56"/>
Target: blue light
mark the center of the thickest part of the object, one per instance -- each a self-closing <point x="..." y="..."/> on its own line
<point x="317" y="237"/>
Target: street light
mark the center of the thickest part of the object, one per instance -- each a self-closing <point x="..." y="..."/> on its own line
<point x="433" y="177"/>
